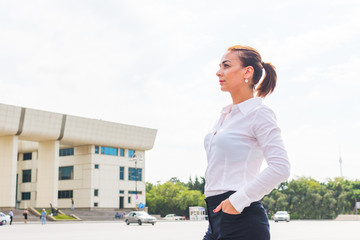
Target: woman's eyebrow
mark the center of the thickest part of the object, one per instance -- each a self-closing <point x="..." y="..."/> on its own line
<point x="225" y="61"/>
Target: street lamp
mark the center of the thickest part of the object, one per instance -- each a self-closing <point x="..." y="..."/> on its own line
<point x="136" y="159"/>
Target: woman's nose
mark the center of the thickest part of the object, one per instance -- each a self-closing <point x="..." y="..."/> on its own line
<point x="219" y="73"/>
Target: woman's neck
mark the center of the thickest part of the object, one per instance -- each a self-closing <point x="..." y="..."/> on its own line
<point x="239" y="97"/>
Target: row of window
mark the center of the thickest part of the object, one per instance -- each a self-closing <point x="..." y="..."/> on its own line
<point x="67" y="173"/>
<point x="69" y="194"/>
<point x="103" y="150"/>
<point x="130" y="192"/>
<point x="114" y="151"/>
<point x="62" y="152"/>
<point x="66" y="152"/>
<point x="61" y="194"/>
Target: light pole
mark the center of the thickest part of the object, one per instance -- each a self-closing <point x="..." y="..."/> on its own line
<point x="136" y="159"/>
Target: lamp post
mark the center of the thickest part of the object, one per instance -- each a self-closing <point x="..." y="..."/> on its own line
<point x="136" y="159"/>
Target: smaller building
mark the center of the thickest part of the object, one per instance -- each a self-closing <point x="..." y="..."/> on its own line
<point x="60" y="159"/>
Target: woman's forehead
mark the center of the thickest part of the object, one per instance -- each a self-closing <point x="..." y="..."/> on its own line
<point x="231" y="56"/>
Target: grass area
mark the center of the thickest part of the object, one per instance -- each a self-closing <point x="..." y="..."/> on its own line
<point x="59" y="216"/>
<point x="64" y="217"/>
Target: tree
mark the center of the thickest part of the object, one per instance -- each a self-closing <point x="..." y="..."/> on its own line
<point x="172" y="197"/>
<point x="304" y="197"/>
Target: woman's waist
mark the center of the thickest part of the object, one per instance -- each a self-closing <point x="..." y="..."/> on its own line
<point x="221" y="184"/>
<point x="215" y="200"/>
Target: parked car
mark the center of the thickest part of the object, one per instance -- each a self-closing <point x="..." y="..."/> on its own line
<point x="173" y="217"/>
<point x="282" y="216"/>
<point x="139" y="217"/>
<point x="4" y="218"/>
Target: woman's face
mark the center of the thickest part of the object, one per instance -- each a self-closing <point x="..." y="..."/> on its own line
<point x="231" y="73"/>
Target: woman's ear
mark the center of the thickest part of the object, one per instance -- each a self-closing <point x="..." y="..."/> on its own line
<point x="249" y="72"/>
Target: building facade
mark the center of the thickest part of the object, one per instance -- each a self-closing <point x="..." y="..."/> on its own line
<point x="55" y="158"/>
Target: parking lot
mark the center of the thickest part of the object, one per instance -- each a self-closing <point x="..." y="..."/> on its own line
<point x="177" y="230"/>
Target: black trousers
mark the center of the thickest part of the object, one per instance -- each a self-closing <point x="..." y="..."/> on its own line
<point x="251" y="224"/>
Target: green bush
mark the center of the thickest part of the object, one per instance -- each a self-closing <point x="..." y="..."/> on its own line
<point x="64" y="217"/>
<point x="59" y="216"/>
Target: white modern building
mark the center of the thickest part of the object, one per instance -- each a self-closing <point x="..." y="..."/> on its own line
<point x="48" y="157"/>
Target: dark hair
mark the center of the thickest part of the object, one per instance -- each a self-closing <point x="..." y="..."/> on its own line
<point x="250" y="57"/>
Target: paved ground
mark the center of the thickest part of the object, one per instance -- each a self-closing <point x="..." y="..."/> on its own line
<point x="295" y="230"/>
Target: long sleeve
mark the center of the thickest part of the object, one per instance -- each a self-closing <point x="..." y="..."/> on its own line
<point x="268" y="136"/>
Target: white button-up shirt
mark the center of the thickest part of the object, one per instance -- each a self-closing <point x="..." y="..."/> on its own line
<point x="245" y="134"/>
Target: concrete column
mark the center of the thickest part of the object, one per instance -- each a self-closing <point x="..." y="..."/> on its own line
<point x="8" y="165"/>
<point x="48" y="174"/>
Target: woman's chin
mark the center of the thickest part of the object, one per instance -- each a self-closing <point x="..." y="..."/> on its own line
<point x="224" y="89"/>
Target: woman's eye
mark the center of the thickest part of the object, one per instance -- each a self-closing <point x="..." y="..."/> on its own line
<point x="226" y="65"/>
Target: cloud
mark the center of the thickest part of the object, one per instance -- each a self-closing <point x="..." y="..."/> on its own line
<point x="153" y="64"/>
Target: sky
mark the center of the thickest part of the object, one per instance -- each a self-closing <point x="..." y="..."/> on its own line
<point x="153" y="64"/>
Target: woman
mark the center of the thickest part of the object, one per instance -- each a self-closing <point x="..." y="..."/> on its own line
<point x="25" y="214"/>
<point x="245" y="134"/>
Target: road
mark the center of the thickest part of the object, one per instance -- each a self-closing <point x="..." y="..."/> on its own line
<point x="179" y="230"/>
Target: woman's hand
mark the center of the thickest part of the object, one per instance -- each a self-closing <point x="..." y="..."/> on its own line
<point x="226" y="207"/>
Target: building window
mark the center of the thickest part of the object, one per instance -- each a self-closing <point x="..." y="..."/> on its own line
<point x="121" y="191"/>
<point x="134" y="192"/>
<point x="66" y="152"/>
<point x="66" y="173"/>
<point x="135" y="174"/>
<point x="131" y="153"/>
<point x="122" y="173"/>
<point x="129" y="199"/>
<point x="27" y="156"/>
<point x="96" y="192"/>
<point x="26" y="176"/>
<point x="97" y="149"/>
<point x="25" y="195"/>
<point x="95" y="204"/>
<point x="109" y="151"/>
<point x="96" y="166"/>
<point x="65" y="194"/>
<point x="122" y="152"/>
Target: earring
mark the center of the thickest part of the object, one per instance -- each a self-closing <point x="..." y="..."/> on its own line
<point x="246" y="80"/>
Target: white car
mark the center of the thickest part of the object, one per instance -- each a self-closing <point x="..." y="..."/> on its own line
<point x="4" y="218"/>
<point x="139" y="217"/>
<point x="173" y="217"/>
<point x="282" y="216"/>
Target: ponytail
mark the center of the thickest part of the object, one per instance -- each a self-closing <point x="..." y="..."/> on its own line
<point x="268" y="84"/>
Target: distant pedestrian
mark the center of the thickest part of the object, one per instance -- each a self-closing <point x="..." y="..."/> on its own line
<point x="72" y="204"/>
<point x="43" y="216"/>
<point x="25" y="214"/>
<point x="11" y="214"/>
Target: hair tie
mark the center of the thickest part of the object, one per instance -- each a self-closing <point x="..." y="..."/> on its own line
<point x="263" y="64"/>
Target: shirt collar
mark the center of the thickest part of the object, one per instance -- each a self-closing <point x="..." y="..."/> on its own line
<point x="244" y="107"/>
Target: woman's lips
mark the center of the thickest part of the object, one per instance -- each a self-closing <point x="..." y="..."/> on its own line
<point x="221" y="81"/>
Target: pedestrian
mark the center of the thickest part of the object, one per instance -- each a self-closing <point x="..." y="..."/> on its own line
<point x="11" y="214"/>
<point x="245" y="134"/>
<point x="25" y="214"/>
<point x="43" y="216"/>
<point x="72" y="204"/>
